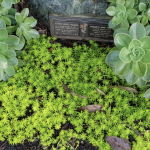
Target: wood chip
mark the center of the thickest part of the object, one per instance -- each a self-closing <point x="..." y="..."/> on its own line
<point x="91" y="108"/>
<point x="118" y="143"/>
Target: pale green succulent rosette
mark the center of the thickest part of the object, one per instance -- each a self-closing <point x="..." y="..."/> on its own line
<point x="143" y="9"/>
<point x="25" y="25"/>
<point x="122" y="14"/>
<point x="131" y="56"/>
<point x="8" y="46"/>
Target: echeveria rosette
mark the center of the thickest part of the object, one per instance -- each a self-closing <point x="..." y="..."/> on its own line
<point x="8" y="46"/>
<point x="25" y="25"/>
<point x="131" y="56"/>
<point x="143" y="11"/>
<point x="121" y="16"/>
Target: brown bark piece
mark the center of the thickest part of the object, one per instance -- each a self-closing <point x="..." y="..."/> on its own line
<point x="118" y="143"/>
<point x="91" y="108"/>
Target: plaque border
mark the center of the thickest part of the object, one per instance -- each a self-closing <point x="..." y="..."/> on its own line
<point x="79" y="20"/>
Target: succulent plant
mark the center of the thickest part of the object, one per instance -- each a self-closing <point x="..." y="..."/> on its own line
<point x="130" y="57"/>
<point x="122" y="14"/>
<point x="8" y="45"/>
<point x="25" y="25"/>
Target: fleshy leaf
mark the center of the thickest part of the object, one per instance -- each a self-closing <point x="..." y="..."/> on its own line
<point x="13" y="61"/>
<point x="30" y="21"/>
<point x="6" y="3"/>
<point x="139" y="69"/>
<point x="112" y="58"/>
<point x="10" y="53"/>
<point x="25" y="13"/>
<point x="131" y="78"/>
<point x="3" y="62"/>
<point x="147" y="75"/>
<point x="12" y="40"/>
<point x="145" y="42"/>
<point x="4" y="33"/>
<point x="10" y="71"/>
<point x="147" y="94"/>
<point x="2" y="24"/>
<point x="141" y="83"/>
<point x="3" y="47"/>
<point x="135" y="43"/>
<point x="142" y="6"/>
<point x="147" y="30"/>
<point x="125" y="55"/>
<point x="122" y="68"/>
<point x="137" y="54"/>
<point x="137" y="31"/>
<point x="122" y="40"/>
<point x="33" y="33"/>
<point x="116" y="20"/>
<point x="129" y="4"/>
<point x="120" y="30"/>
<point x="144" y="20"/>
<point x="124" y="24"/>
<point x="146" y="57"/>
<point x="19" y="18"/>
<point x="131" y="13"/>
<point x="121" y="2"/>
<point x="120" y="8"/>
<point x="111" y="11"/>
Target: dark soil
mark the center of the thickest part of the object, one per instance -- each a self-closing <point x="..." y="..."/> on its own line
<point x="83" y="145"/>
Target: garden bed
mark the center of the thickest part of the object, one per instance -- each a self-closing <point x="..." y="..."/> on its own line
<point x="46" y="99"/>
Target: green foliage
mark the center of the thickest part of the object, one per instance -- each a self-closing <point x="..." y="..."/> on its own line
<point x="130" y="57"/>
<point x="25" y="24"/>
<point x="122" y="14"/>
<point x="12" y="24"/>
<point x="35" y="105"/>
<point x="127" y="12"/>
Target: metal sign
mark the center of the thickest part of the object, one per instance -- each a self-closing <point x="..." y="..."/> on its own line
<point x="78" y="28"/>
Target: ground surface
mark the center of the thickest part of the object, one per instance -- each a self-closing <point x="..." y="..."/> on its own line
<point x="36" y="146"/>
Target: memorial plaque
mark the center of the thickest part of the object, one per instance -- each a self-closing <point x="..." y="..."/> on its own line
<point x="78" y="28"/>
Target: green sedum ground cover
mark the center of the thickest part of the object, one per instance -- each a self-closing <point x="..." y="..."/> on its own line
<point x="34" y="104"/>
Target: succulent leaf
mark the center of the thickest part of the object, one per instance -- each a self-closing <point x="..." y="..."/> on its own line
<point x="122" y="40"/>
<point x="137" y="31"/>
<point x="147" y="94"/>
<point x="139" y="69"/>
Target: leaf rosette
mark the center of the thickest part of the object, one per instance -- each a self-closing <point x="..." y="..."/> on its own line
<point x="130" y="58"/>
<point x="122" y="13"/>
<point x="25" y="25"/>
<point x="143" y="9"/>
<point x="8" y="46"/>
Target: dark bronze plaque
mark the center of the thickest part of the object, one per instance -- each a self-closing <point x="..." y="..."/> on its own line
<point x="78" y="28"/>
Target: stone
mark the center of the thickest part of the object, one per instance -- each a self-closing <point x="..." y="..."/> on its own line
<point x="68" y="8"/>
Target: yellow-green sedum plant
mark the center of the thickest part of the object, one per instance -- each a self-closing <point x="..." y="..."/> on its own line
<point x="34" y="104"/>
<point x="12" y="24"/>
